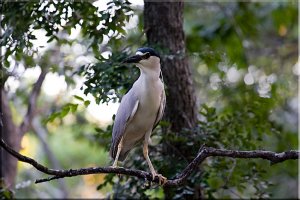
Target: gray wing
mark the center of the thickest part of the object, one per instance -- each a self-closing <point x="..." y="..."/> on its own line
<point x="161" y="109"/>
<point x="125" y="113"/>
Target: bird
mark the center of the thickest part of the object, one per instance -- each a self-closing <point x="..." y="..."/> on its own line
<point x="140" y="110"/>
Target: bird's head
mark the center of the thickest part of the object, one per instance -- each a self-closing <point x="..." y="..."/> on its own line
<point x="145" y="57"/>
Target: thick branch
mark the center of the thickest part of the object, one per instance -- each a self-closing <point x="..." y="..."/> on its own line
<point x="24" y="127"/>
<point x="204" y="152"/>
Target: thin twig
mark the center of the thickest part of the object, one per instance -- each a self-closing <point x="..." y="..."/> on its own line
<point x="201" y="156"/>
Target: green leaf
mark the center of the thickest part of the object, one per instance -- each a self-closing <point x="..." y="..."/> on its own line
<point x="74" y="108"/>
<point x="78" y="98"/>
<point x="65" y="111"/>
<point x="52" y="117"/>
<point x="87" y="103"/>
<point x="52" y="38"/>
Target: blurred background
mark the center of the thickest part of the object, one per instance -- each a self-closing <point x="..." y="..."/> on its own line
<point x="243" y="56"/>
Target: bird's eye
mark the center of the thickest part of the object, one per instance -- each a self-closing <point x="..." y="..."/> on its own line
<point x="146" y="55"/>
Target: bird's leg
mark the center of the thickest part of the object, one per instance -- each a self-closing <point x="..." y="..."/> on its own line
<point x="162" y="179"/>
<point x="120" y="145"/>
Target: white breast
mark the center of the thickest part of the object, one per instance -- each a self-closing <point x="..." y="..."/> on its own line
<point x="149" y="94"/>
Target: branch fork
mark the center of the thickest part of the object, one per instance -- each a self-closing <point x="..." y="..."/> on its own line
<point x="204" y="152"/>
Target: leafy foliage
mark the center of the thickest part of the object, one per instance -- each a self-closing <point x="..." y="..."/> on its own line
<point x="66" y="109"/>
<point x="228" y="38"/>
<point x="241" y="53"/>
<point x="21" y="19"/>
<point x="108" y="78"/>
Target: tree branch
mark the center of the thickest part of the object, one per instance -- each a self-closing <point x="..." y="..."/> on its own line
<point x="24" y="127"/>
<point x="203" y="153"/>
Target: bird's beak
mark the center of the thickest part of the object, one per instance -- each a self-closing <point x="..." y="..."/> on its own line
<point x="133" y="59"/>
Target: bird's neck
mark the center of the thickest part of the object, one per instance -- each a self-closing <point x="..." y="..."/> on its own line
<point x="150" y="74"/>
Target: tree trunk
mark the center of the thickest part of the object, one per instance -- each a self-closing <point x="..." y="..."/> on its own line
<point x="13" y="134"/>
<point x="163" y="23"/>
<point x="10" y="134"/>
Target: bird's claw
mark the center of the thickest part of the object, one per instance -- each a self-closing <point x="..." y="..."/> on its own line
<point x="161" y="179"/>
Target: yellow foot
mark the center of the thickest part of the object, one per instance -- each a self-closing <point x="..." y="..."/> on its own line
<point x="162" y="180"/>
<point x="115" y="164"/>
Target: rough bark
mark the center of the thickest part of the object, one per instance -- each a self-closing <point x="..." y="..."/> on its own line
<point x="163" y="24"/>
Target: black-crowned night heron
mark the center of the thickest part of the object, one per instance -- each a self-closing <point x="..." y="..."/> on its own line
<point x="140" y="110"/>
